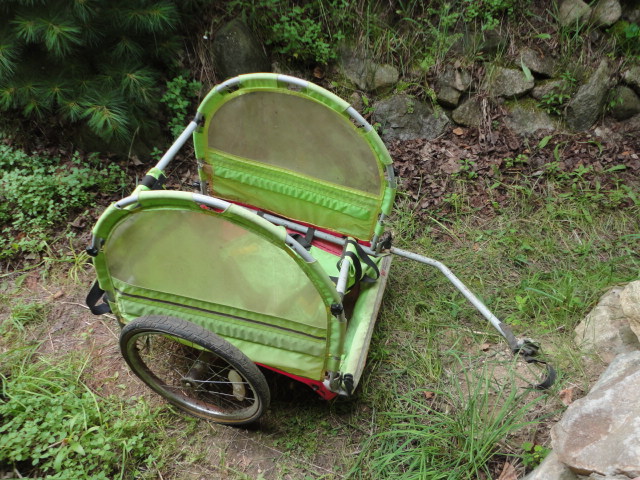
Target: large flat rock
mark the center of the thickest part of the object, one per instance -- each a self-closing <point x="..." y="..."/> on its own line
<point x="600" y="433"/>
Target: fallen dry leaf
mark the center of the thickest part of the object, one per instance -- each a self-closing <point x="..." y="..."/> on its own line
<point x="508" y="472"/>
<point x="566" y="395"/>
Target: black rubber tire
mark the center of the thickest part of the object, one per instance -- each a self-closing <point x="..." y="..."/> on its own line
<point x="183" y="354"/>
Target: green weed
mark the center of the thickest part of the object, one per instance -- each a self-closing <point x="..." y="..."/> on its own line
<point x="23" y="315"/>
<point x="73" y="260"/>
<point x="627" y="38"/>
<point x="39" y="193"/>
<point x="555" y="101"/>
<point x="177" y="98"/>
<point x="533" y="455"/>
<point x="54" y="426"/>
<point x="302" y="32"/>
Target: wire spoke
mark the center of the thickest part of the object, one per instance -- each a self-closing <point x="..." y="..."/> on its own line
<point x="172" y="361"/>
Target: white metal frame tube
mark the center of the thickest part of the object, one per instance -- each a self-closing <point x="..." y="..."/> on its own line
<point x="462" y="288"/>
<point x="178" y="144"/>
<point x="341" y="285"/>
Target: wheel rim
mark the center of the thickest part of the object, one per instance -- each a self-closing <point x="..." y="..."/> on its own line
<point x="196" y="379"/>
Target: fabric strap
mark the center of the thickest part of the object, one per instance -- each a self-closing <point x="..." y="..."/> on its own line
<point x="93" y="297"/>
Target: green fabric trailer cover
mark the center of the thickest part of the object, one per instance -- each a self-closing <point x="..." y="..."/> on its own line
<point x="295" y="153"/>
<point x="229" y="272"/>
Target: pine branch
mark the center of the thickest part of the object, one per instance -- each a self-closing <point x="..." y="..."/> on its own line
<point x="84" y="10"/>
<point x="61" y="36"/>
<point x="28" y="28"/>
<point x="8" y="58"/>
<point x="70" y="108"/>
<point x="157" y="17"/>
<point x="127" y="49"/>
<point x="7" y="97"/>
<point x="34" y="106"/>
<point x="55" y="91"/>
<point x="107" y="116"/>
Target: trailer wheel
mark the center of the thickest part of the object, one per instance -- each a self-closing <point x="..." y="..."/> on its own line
<point x="194" y="369"/>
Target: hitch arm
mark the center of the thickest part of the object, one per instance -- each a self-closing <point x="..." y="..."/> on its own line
<point x="525" y="348"/>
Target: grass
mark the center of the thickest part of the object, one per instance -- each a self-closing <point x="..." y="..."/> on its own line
<point x="53" y="425"/>
<point x="440" y="397"/>
<point x="450" y="432"/>
<point x="541" y="264"/>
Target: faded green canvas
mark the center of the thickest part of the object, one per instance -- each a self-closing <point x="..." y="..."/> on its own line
<point x="227" y="271"/>
<point x="294" y="153"/>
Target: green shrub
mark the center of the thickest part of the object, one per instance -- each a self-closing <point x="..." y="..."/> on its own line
<point x="38" y="193"/>
<point x="627" y="37"/>
<point x="87" y="62"/>
<point x="303" y="31"/>
<point x="177" y="98"/>
<point x="54" y="426"/>
<point x="489" y="12"/>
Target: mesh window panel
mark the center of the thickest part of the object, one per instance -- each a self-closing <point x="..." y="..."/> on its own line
<point x="208" y="258"/>
<point x="288" y="131"/>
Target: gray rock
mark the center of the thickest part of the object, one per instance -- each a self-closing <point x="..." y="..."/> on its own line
<point x="632" y="125"/>
<point x="469" y="114"/>
<point x="383" y="78"/>
<point x="573" y="12"/>
<point x="630" y="305"/>
<point x="537" y="62"/>
<point x="355" y="68"/>
<point x="527" y="119"/>
<point x="551" y="469"/>
<point x="236" y="51"/>
<point x="455" y="78"/>
<point x="606" y="13"/>
<point x="631" y="14"/>
<point x="607" y="134"/>
<point x="586" y="106"/>
<point x="448" y="96"/>
<point x="546" y="88"/>
<point x="405" y="118"/>
<point x="366" y="74"/>
<point x="605" y="330"/>
<point x="595" y="476"/>
<point x="449" y="85"/>
<point x="632" y="77"/>
<point x="475" y="42"/>
<point x="626" y="103"/>
<point x="507" y="82"/>
<point x="600" y="433"/>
